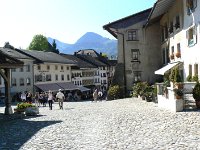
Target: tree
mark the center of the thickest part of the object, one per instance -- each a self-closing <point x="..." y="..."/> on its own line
<point x="39" y="43"/>
<point x="54" y="47"/>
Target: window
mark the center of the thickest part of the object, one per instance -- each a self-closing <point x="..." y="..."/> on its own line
<point x="28" y="68"/>
<point x="190" y="70"/>
<point x="171" y="27"/>
<point x="178" y="53"/>
<point x="172" y="50"/>
<point x="61" y="67"/>
<point x="135" y="55"/>
<point x="38" y="78"/>
<point x="14" y="82"/>
<point x="164" y="56"/>
<point x="191" y="5"/>
<point x="56" y="77"/>
<point x="163" y="35"/>
<point x="67" y="68"/>
<point x="48" y="67"/>
<point x="195" y="69"/>
<point x="166" y="31"/>
<point x="132" y="35"/>
<point x="21" y="69"/>
<point x="21" y="82"/>
<point x="28" y="81"/>
<point x="191" y="36"/>
<point x="13" y="70"/>
<point x="56" y="67"/>
<point x="48" y="77"/>
<point x="39" y="67"/>
<point x="68" y="77"/>
<point x="177" y="24"/>
<point x="136" y="76"/>
<point x="62" y="77"/>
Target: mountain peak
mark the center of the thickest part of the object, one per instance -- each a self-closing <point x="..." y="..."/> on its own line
<point x="89" y="40"/>
<point x="91" y="37"/>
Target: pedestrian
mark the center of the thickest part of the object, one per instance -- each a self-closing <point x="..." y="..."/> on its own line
<point x="23" y="97"/>
<point x="50" y="99"/>
<point x="37" y="95"/>
<point x="100" y="94"/>
<point x="95" y="95"/>
<point x="60" y="96"/>
<point x="29" y="97"/>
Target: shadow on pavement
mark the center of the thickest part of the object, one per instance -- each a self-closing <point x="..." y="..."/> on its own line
<point x="15" y="132"/>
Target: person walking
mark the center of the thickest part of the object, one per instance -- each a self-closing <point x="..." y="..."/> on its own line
<point x="95" y="95"/>
<point x="60" y="96"/>
<point x="50" y="99"/>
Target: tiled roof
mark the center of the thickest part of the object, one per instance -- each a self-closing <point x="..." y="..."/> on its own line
<point x="80" y="63"/>
<point x="127" y="21"/>
<point x="49" y="57"/>
<point x="8" y="61"/>
<point x="14" y="53"/>
<point x="92" y="60"/>
<point x="91" y="52"/>
<point x="113" y="62"/>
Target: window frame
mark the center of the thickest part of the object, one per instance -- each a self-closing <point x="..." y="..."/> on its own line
<point x="132" y="35"/>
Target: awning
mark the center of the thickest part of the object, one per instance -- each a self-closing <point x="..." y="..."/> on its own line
<point x="68" y="86"/>
<point x="49" y="86"/>
<point x="83" y="89"/>
<point x="166" y="68"/>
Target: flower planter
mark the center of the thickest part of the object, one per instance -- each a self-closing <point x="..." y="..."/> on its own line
<point x="178" y="55"/>
<point x="19" y="111"/>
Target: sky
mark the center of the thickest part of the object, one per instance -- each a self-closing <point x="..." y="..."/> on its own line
<point x="64" y="20"/>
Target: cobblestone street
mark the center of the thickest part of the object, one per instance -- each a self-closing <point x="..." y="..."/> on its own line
<point x="127" y="124"/>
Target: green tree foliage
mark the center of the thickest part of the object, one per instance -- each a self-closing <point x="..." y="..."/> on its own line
<point x="39" y="43"/>
<point x="54" y="47"/>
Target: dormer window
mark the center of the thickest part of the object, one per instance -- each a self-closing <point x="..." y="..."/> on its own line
<point x="133" y="35"/>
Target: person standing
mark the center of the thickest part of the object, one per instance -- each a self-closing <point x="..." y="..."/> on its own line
<point x="60" y="96"/>
<point x="50" y="99"/>
<point x="95" y="95"/>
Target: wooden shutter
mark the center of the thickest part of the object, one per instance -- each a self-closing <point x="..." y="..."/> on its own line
<point x="195" y="34"/>
<point x="195" y="69"/>
<point x="190" y="70"/>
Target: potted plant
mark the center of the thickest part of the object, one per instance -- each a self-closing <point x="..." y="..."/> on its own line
<point x="21" y="107"/>
<point x="178" y="55"/>
<point x="196" y="94"/>
<point x="195" y="78"/>
<point x="189" y="78"/>
<point x="178" y="93"/>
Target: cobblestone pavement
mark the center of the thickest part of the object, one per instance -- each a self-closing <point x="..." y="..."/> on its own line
<point x="127" y="124"/>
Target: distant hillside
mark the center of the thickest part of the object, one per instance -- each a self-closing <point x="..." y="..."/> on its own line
<point x="89" y="40"/>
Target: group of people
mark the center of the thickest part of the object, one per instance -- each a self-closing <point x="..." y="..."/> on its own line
<point x="42" y="98"/>
<point x="99" y="95"/>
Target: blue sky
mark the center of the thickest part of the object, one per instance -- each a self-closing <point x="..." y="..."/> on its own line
<point x="65" y="20"/>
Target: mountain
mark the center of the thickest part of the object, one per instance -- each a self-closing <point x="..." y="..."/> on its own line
<point x="90" y="40"/>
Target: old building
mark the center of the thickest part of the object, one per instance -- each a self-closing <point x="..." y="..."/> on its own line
<point x="138" y="48"/>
